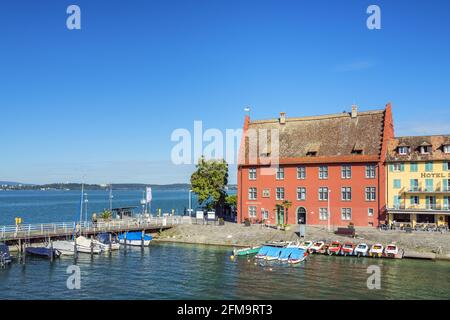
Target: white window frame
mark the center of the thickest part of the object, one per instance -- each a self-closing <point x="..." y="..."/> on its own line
<point x="346" y="171"/>
<point x="323" y="191"/>
<point x="397" y="167"/>
<point x="301" y="191"/>
<point x="252" y="211"/>
<point x="264" y="214"/>
<point x="252" y="193"/>
<point x="280" y="173"/>
<point x="279" y="193"/>
<point x="323" y="214"/>
<point x="370" y="212"/>
<point x="301" y="173"/>
<point x="323" y="172"/>
<point x="372" y="192"/>
<point x="252" y="174"/>
<point x="346" y="193"/>
<point x="346" y="214"/>
<point x="446" y="149"/>
<point x="371" y="171"/>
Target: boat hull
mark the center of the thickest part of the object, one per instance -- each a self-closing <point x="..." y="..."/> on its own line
<point x="136" y="243"/>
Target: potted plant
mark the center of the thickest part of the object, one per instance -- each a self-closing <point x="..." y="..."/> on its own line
<point x="221" y="222"/>
<point x="247" y="222"/>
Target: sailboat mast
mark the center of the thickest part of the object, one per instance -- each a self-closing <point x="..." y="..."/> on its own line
<point x="81" y="204"/>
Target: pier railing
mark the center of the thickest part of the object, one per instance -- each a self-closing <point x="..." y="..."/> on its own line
<point x="25" y="231"/>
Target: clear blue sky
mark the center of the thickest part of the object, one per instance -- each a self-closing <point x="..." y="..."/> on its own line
<point x="102" y="102"/>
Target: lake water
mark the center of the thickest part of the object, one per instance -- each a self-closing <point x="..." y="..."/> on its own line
<point x="178" y="271"/>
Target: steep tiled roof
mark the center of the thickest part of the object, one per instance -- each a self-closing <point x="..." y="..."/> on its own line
<point x="414" y="142"/>
<point x="337" y="136"/>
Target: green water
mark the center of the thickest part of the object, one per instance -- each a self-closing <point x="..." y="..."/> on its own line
<point x="178" y="271"/>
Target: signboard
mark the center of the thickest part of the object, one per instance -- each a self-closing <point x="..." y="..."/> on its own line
<point x="199" y="215"/>
<point x="211" y="215"/>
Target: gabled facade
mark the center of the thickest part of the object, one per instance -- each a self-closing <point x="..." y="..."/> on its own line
<point x="331" y="170"/>
<point x="418" y="180"/>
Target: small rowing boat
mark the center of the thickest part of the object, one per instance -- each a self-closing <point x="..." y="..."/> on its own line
<point x="246" y="251"/>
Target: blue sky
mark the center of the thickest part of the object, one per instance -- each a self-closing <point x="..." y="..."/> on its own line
<point x="101" y="102"/>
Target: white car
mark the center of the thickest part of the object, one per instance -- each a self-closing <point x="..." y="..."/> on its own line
<point x="361" y="250"/>
<point x="376" y="250"/>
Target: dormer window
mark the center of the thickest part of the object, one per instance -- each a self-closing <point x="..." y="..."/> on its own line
<point x="446" y="148"/>
<point x="311" y="153"/>
<point x="403" y="150"/>
<point x="425" y="149"/>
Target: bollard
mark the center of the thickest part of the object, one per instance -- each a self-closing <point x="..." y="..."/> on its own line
<point x="75" y="247"/>
<point x="125" y="239"/>
<point x="110" y="243"/>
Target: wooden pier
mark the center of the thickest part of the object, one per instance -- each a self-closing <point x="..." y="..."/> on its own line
<point x="44" y="232"/>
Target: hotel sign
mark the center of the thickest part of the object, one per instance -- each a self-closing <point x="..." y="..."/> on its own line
<point x="434" y="175"/>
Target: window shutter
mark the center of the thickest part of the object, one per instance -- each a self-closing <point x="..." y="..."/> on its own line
<point x="391" y="168"/>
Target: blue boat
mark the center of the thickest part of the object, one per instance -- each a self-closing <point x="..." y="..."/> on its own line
<point x="5" y="257"/>
<point x="273" y="254"/>
<point x="286" y="253"/>
<point x="43" y="252"/>
<point x="297" y="256"/>
<point x="262" y="252"/>
<point x="134" y="238"/>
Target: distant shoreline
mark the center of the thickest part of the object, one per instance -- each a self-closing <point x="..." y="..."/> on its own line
<point x="118" y="186"/>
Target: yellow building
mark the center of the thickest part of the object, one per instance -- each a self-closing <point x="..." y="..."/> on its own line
<point x="418" y="180"/>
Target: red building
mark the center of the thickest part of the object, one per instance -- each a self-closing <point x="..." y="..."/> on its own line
<point x="330" y="170"/>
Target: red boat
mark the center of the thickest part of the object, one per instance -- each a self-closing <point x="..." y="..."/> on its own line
<point x="348" y="249"/>
<point x="334" y="248"/>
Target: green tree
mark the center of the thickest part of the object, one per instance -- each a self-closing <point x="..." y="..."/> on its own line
<point x="209" y="181"/>
<point x="231" y="200"/>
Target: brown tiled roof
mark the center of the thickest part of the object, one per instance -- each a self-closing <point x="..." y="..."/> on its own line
<point x="334" y="136"/>
<point x="414" y="142"/>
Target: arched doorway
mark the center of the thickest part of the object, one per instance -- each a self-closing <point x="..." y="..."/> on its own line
<point x="301" y="215"/>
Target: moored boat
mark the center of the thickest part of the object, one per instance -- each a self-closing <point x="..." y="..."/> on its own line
<point x="5" y="256"/>
<point x="393" y="251"/>
<point x="246" y="251"/>
<point x="262" y="252"/>
<point x="44" y="252"/>
<point x="334" y="248"/>
<point x="134" y="238"/>
<point x="376" y="250"/>
<point x="273" y="253"/>
<point x="297" y="255"/>
<point x="104" y="242"/>
<point x="306" y="245"/>
<point x="361" y="250"/>
<point x="317" y="246"/>
<point x="86" y="245"/>
<point x="347" y="249"/>
<point x="286" y="253"/>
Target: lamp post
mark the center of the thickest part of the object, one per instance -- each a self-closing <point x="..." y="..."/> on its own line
<point x="190" y="202"/>
<point x="329" y="211"/>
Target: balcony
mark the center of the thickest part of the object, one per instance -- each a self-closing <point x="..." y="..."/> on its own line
<point x="421" y="207"/>
<point x="438" y="188"/>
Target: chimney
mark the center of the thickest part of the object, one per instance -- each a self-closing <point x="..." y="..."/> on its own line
<point x="282" y="117"/>
<point x="354" y="111"/>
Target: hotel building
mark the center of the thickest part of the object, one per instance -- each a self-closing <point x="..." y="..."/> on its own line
<point x="418" y="180"/>
<point x="331" y="170"/>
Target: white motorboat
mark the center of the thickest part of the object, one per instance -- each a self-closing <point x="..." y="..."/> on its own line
<point x="306" y="245"/>
<point x="361" y="250"/>
<point x="376" y="250"/>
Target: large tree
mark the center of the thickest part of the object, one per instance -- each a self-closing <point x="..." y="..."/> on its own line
<point x="209" y="181"/>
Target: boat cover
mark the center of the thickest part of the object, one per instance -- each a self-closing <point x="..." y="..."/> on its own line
<point x="104" y="238"/>
<point x="263" y="251"/>
<point x="297" y="253"/>
<point x="40" y="251"/>
<point x="286" y="252"/>
<point x="135" y="236"/>
<point x="274" y="252"/>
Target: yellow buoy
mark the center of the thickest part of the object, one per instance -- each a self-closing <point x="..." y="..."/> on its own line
<point x="232" y="257"/>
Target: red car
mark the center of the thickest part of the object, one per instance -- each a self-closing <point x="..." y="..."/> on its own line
<point x="334" y="248"/>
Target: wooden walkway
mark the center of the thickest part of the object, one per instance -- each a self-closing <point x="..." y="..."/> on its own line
<point x="61" y="230"/>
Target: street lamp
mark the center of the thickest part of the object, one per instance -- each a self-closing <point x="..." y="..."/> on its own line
<point x="329" y="211"/>
<point x="190" y="202"/>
